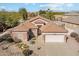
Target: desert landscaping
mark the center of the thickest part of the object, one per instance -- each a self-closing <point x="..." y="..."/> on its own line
<point x="38" y="33"/>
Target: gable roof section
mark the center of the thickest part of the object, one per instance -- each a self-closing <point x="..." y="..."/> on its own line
<point x="24" y="27"/>
<point x="38" y="17"/>
<point x="52" y="28"/>
<point x="39" y="22"/>
<point x="27" y="24"/>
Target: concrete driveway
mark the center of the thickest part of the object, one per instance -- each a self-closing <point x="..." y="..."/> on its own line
<point x="58" y="49"/>
<point x="71" y="48"/>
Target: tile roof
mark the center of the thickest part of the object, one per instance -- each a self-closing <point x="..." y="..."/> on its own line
<point x="27" y="24"/>
<point x="24" y="27"/>
<point x="52" y="28"/>
<point x="38" y="17"/>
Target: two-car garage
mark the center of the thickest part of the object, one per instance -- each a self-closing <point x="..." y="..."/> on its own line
<point x="54" y="37"/>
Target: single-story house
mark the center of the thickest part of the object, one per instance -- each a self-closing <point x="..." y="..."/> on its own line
<point x="38" y="26"/>
<point x="29" y="28"/>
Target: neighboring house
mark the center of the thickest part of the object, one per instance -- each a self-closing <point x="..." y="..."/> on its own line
<point x="71" y="14"/>
<point x="34" y="27"/>
<point x="69" y="22"/>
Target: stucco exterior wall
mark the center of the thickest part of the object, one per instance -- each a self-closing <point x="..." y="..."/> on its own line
<point x="71" y="26"/>
<point x="23" y="36"/>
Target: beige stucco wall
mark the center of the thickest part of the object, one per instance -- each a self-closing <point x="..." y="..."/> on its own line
<point x="71" y="26"/>
<point x="20" y="35"/>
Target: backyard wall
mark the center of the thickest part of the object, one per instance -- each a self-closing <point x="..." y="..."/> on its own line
<point x="20" y="35"/>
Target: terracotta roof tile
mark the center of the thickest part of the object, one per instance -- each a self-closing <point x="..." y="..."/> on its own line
<point x="38" y="17"/>
<point x="52" y="28"/>
<point x="24" y="27"/>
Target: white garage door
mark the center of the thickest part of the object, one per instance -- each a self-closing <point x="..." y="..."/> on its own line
<point x="54" y="38"/>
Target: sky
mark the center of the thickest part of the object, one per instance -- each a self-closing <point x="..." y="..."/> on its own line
<point x="32" y="7"/>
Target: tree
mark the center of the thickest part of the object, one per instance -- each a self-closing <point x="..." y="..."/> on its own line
<point x="32" y="14"/>
<point x="24" y="13"/>
<point x="10" y="19"/>
<point x="11" y="22"/>
<point x="50" y="15"/>
<point x="3" y="27"/>
<point x="42" y="12"/>
<point x="2" y="17"/>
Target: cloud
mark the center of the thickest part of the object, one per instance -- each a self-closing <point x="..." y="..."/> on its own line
<point x="69" y="5"/>
<point x="30" y="3"/>
<point x="49" y="5"/>
<point x="57" y="6"/>
<point x="53" y="6"/>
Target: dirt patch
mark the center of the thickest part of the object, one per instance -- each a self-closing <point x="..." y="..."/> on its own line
<point x="9" y="49"/>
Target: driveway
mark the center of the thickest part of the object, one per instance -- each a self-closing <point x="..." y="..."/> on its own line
<point x="71" y="48"/>
<point x="59" y="49"/>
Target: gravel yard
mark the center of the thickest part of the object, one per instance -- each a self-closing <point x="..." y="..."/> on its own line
<point x="40" y="48"/>
<point x="9" y="49"/>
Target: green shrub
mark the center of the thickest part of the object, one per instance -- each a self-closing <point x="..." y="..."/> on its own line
<point x="32" y="42"/>
<point x="34" y="38"/>
<point x="23" y="46"/>
<point x="77" y="39"/>
<point x="27" y="52"/>
<point x="39" y="48"/>
<point x="6" y="37"/>
<point x="74" y="35"/>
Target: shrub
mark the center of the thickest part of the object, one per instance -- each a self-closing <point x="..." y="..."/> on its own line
<point x="34" y="38"/>
<point x="25" y="49"/>
<point x="23" y="46"/>
<point x="77" y="39"/>
<point x="5" y="47"/>
<point x="32" y="42"/>
<point x="74" y="35"/>
<point x="39" y="48"/>
<point x="6" y="37"/>
<point x="27" y="52"/>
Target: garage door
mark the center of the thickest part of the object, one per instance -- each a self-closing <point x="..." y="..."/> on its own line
<point x="54" y="38"/>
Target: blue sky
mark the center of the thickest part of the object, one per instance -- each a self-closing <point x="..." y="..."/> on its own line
<point x="37" y="6"/>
